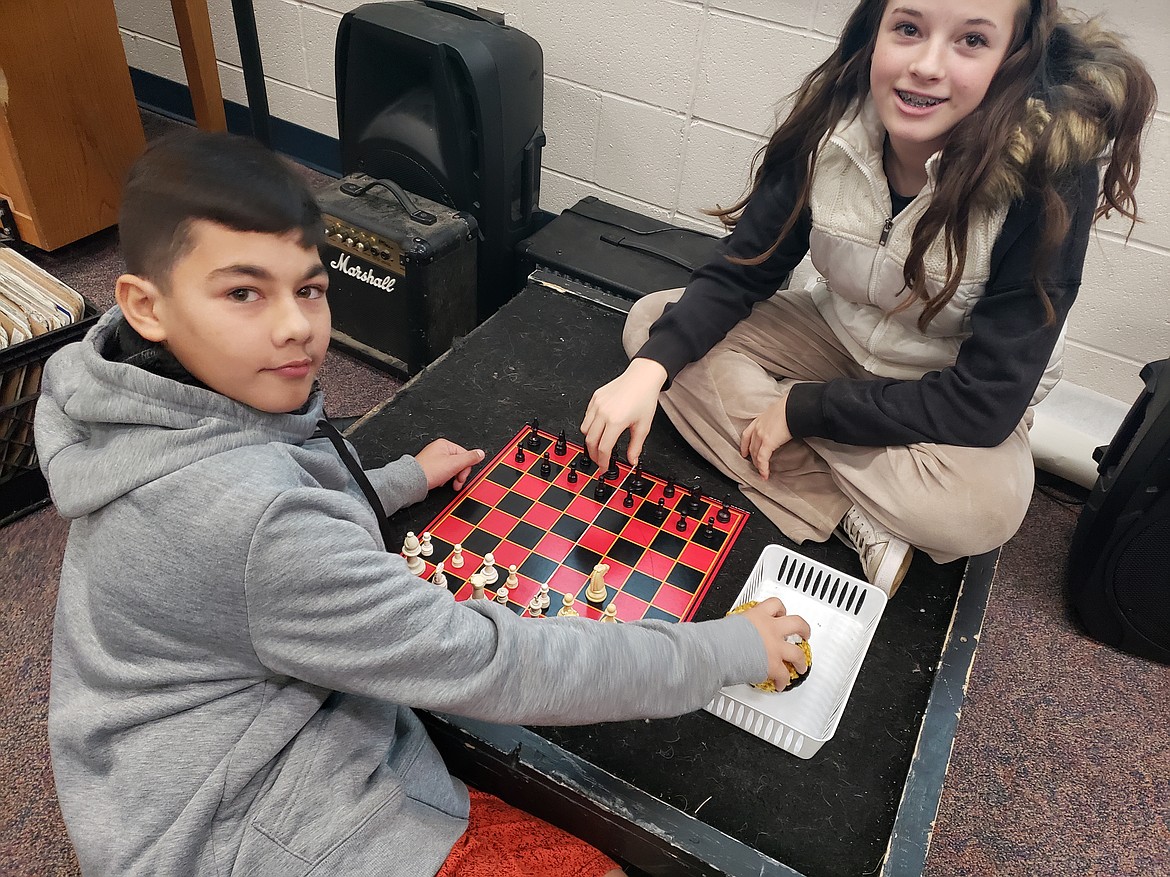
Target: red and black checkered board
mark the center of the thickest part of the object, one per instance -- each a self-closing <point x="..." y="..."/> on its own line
<point x="555" y="531"/>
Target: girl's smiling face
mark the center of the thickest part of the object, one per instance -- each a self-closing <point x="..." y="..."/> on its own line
<point x="932" y="64"/>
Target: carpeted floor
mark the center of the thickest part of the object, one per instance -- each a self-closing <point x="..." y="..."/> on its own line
<point x="1061" y="764"/>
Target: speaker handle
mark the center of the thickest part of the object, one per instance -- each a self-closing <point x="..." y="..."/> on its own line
<point x="461" y="11"/>
<point x="416" y="213"/>
<point x="1109" y="456"/>
<point x="530" y="173"/>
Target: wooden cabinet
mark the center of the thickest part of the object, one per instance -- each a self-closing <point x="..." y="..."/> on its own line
<point x="69" y="124"/>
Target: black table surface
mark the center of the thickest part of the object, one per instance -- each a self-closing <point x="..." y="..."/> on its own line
<point x="542" y="355"/>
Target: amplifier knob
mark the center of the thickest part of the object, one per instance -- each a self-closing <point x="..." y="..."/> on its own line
<point x="360" y="245"/>
<point x="349" y="241"/>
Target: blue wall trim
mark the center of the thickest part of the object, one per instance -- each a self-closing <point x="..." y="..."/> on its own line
<point x="173" y="100"/>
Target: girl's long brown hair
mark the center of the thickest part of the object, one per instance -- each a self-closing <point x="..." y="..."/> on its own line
<point x="1064" y="92"/>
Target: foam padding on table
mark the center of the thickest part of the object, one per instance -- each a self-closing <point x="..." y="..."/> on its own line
<point x="543" y="354"/>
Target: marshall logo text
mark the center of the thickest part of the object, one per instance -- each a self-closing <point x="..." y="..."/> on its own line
<point x="367" y="275"/>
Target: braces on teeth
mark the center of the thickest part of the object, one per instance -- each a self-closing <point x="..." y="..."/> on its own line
<point x="916" y="101"/>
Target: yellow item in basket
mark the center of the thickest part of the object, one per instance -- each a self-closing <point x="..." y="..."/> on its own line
<point x="794" y="678"/>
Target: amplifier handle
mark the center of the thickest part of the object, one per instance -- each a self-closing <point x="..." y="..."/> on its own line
<point x="416" y="213"/>
<point x="461" y="11"/>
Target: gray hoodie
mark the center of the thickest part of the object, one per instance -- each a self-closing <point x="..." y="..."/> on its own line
<point x="235" y="651"/>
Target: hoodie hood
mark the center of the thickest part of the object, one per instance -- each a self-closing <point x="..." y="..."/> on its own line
<point x="104" y="428"/>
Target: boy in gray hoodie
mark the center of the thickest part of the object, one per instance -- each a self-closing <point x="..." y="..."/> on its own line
<point x="236" y="653"/>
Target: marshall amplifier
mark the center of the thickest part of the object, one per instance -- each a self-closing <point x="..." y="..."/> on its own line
<point x="401" y="272"/>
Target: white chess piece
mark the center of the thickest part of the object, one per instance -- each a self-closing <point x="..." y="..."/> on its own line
<point x="502" y="596"/>
<point x="411" y="549"/>
<point x="489" y="572"/>
<point x="543" y="596"/>
<point x="512" y="580"/>
<point x="534" y="608"/>
<point x="610" y="614"/>
<point x="477" y="584"/>
<point x="457" y="556"/>
<point x="596" y="591"/>
<point x="425" y="548"/>
<point x="438" y="578"/>
<point x="567" y="609"/>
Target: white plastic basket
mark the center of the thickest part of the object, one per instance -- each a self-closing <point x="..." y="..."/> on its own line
<point x="843" y="613"/>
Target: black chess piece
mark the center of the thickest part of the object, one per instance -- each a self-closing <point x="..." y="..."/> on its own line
<point x="561" y="446"/>
<point x="520" y="453"/>
<point x="695" y="500"/>
<point x="660" y="513"/>
<point x="534" y="438"/>
<point x="638" y="481"/>
<point x="724" y="514"/>
<point x="681" y="523"/>
<point x="611" y="474"/>
<point x="668" y="491"/>
<point x="628" y="499"/>
<point x="599" y="491"/>
<point x="545" y="466"/>
<point x="708" y="531"/>
<point x="572" y="472"/>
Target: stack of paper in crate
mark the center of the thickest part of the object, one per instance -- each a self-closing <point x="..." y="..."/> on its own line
<point x="32" y="303"/>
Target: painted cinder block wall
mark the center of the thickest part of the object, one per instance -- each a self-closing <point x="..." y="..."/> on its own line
<point x="659" y="105"/>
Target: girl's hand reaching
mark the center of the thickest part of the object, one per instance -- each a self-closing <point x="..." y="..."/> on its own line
<point x="765" y="435"/>
<point x="626" y="402"/>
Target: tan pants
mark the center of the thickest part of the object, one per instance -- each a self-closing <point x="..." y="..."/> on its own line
<point x="945" y="500"/>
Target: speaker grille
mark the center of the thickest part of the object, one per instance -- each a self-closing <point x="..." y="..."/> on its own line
<point x="1142" y="585"/>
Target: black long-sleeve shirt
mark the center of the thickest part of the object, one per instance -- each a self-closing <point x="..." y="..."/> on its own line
<point x="976" y="402"/>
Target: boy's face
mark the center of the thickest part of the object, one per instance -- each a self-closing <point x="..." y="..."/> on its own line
<point x="246" y="314"/>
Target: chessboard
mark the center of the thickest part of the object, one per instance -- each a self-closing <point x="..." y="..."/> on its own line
<point x="548" y="517"/>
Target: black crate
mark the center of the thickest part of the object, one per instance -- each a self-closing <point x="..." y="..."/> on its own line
<point x="22" y="486"/>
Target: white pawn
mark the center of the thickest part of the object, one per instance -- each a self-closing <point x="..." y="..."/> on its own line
<point x="425" y="548"/>
<point x="543" y="596"/>
<point x="567" y="610"/>
<point x="411" y="548"/>
<point x="438" y="578"/>
<point x="477" y="584"/>
<point x="502" y="596"/>
<point x="512" y="580"/>
<point x="534" y="608"/>
<point x="489" y="572"/>
<point x="610" y="614"/>
<point x="457" y="557"/>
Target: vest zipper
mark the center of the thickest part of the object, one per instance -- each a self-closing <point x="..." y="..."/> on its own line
<point x="886" y="232"/>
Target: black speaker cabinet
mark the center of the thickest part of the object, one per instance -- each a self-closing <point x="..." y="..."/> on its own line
<point x="448" y="104"/>
<point x="1119" y="566"/>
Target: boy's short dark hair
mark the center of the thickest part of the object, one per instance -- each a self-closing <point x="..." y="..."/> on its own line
<point x="224" y="178"/>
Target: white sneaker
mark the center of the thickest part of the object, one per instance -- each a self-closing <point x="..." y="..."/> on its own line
<point x="884" y="557"/>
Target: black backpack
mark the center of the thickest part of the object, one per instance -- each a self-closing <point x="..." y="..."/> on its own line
<point x="1119" y="561"/>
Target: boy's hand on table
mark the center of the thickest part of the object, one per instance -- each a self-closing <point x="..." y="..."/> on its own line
<point x="626" y="402"/>
<point x="443" y="460"/>
<point x="775" y="625"/>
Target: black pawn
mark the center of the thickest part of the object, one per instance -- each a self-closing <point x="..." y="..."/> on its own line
<point x="724" y="514"/>
<point x="668" y="491"/>
<point x="681" y="523"/>
<point x="639" y="483"/>
<point x="519" y="453"/>
<point x="628" y="499"/>
<point x="661" y="512"/>
<point x="599" y="490"/>
<point x="545" y="465"/>
<point x="573" y="472"/>
<point x="534" y="438"/>
<point x="708" y="529"/>
<point x="561" y="446"/>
